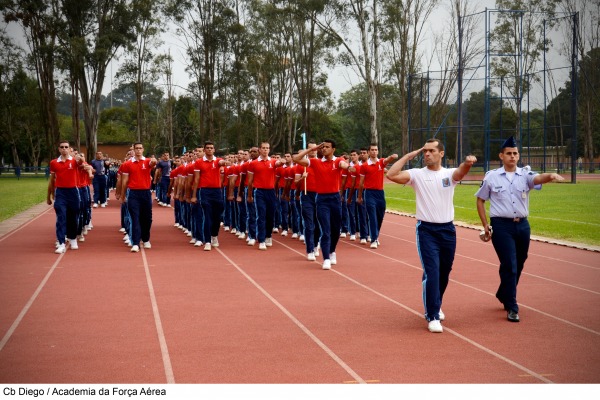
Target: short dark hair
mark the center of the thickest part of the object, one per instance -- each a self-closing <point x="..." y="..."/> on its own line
<point x="440" y="145"/>
<point x="330" y="141"/>
<point x="208" y="143"/>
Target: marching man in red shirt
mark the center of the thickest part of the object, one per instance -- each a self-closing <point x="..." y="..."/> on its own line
<point x="207" y="186"/>
<point x="136" y="178"/>
<point x="371" y="191"/>
<point x="261" y="194"/>
<point x="63" y="188"/>
<point x="328" y="171"/>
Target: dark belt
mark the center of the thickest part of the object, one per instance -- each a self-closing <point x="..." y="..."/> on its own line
<point x="515" y="220"/>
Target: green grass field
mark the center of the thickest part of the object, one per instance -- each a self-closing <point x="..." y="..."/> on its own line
<point x="18" y="195"/>
<point x="560" y="211"/>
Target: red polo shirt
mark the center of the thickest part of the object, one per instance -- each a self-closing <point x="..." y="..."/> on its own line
<point x="83" y="178"/>
<point x="65" y="172"/>
<point x="373" y="173"/>
<point x="210" y="172"/>
<point x="264" y="173"/>
<point x="139" y="173"/>
<point x="290" y="174"/>
<point x="328" y="172"/>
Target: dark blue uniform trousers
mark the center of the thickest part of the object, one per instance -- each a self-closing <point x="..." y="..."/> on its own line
<point x="312" y="233"/>
<point x="375" y="204"/>
<point x="139" y="206"/>
<point x="329" y="214"/>
<point x="67" y="207"/>
<point x="436" y="244"/>
<point x="212" y="207"/>
<point x="511" y="242"/>
<point x="265" y="203"/>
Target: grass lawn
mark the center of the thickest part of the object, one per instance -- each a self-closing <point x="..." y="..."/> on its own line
<point x="18" y="195"/>
<point x="561" y="211"/>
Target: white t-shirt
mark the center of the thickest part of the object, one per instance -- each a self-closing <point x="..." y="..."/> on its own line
<point x="435" y="194"/>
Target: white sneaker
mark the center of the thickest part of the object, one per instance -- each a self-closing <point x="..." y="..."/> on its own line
<point x="135" y="249"/>
<point x="302" y="238"/>
<point x="327" y="264"/>
<point x="226" y="229"/>
<point x="295" y="236"/>
<point x="242" y="236"/>
<point x="251" y="242"/>
<point x="193" y="241"/>
<point x="317" y="251"/>
<point x="262" y="246"/>
<point x="147" y="245"/>
<point x="269" y="242"/>
<point x="125" y="237"/>
<point x="333" y="258"/>
<point x="81" y="238"/>
<point x="378" y="242"/>
<point x="284" y="233"/>
<point x="440" y="314"/>
<point x="207" y="247"/>
<point x="189" y="233"/>
<point x="60" y="249"/>
<point x="311" y="257"/>
<point x="90" y="226"/>
<point x="363" y="241"/>
<point x="73" y="243"/>
<point x="234" y="230"/>
<point x="275" y="230"/>
<point x="56" y="244"/>
<point x="435" y="326"/>
<point x="84" y="231"/>
<point x="198" y="243"/>
<point x="214" y="241"/>
<point x="127" y="242"/>
<point x="122" y="230"/>
<point x="353" y="237"/>
<point x="103" y="205"/>
<point x="374" y="245"/>
<point x="168" y="205"/>
<point x="343" y="234"/>
<point x="177" y="225"/>
<point x="95" y="205"/>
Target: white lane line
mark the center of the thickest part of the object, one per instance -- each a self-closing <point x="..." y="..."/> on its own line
<point x="24" y="225"/>
<point x="164" y="350"/>
<point x="420" y="316"/>
<point x="299" y="324"/>
<point x="495" y="265"/>
<point x="27" y="306"/>
<point x="418" y="268"/>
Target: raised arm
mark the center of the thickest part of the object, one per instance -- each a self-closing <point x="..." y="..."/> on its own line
<point x="396" y="174"/>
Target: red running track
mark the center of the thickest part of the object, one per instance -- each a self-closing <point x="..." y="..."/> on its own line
<point x="175" y="313"/>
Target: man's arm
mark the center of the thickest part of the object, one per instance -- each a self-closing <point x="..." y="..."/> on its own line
<point x="482" y="215"/>
<point x="464" y="168"/>
<point x="124" y="181"/>
<point x="547" y="177"/>
<point x="395" y="173"/>
<point x="250" y="198"/>
<point x="50" y="194"/>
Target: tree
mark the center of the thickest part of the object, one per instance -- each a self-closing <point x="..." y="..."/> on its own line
<point x="588" y="42"/>
<point x="519" y="50"/>
<point x="94" y="30"/>
<point x="403" y="23"/>
<point x="140" y="66"/>
<point x="39" y="20"/>
<point x="365" y="58"/>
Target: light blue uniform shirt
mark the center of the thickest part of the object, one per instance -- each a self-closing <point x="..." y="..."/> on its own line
<point x="507" y="199"/>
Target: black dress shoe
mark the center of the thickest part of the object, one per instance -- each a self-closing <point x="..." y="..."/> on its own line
<point x="513" y="316"/>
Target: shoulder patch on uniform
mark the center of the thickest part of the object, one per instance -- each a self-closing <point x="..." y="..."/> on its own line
<point x="531" y="173"/>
